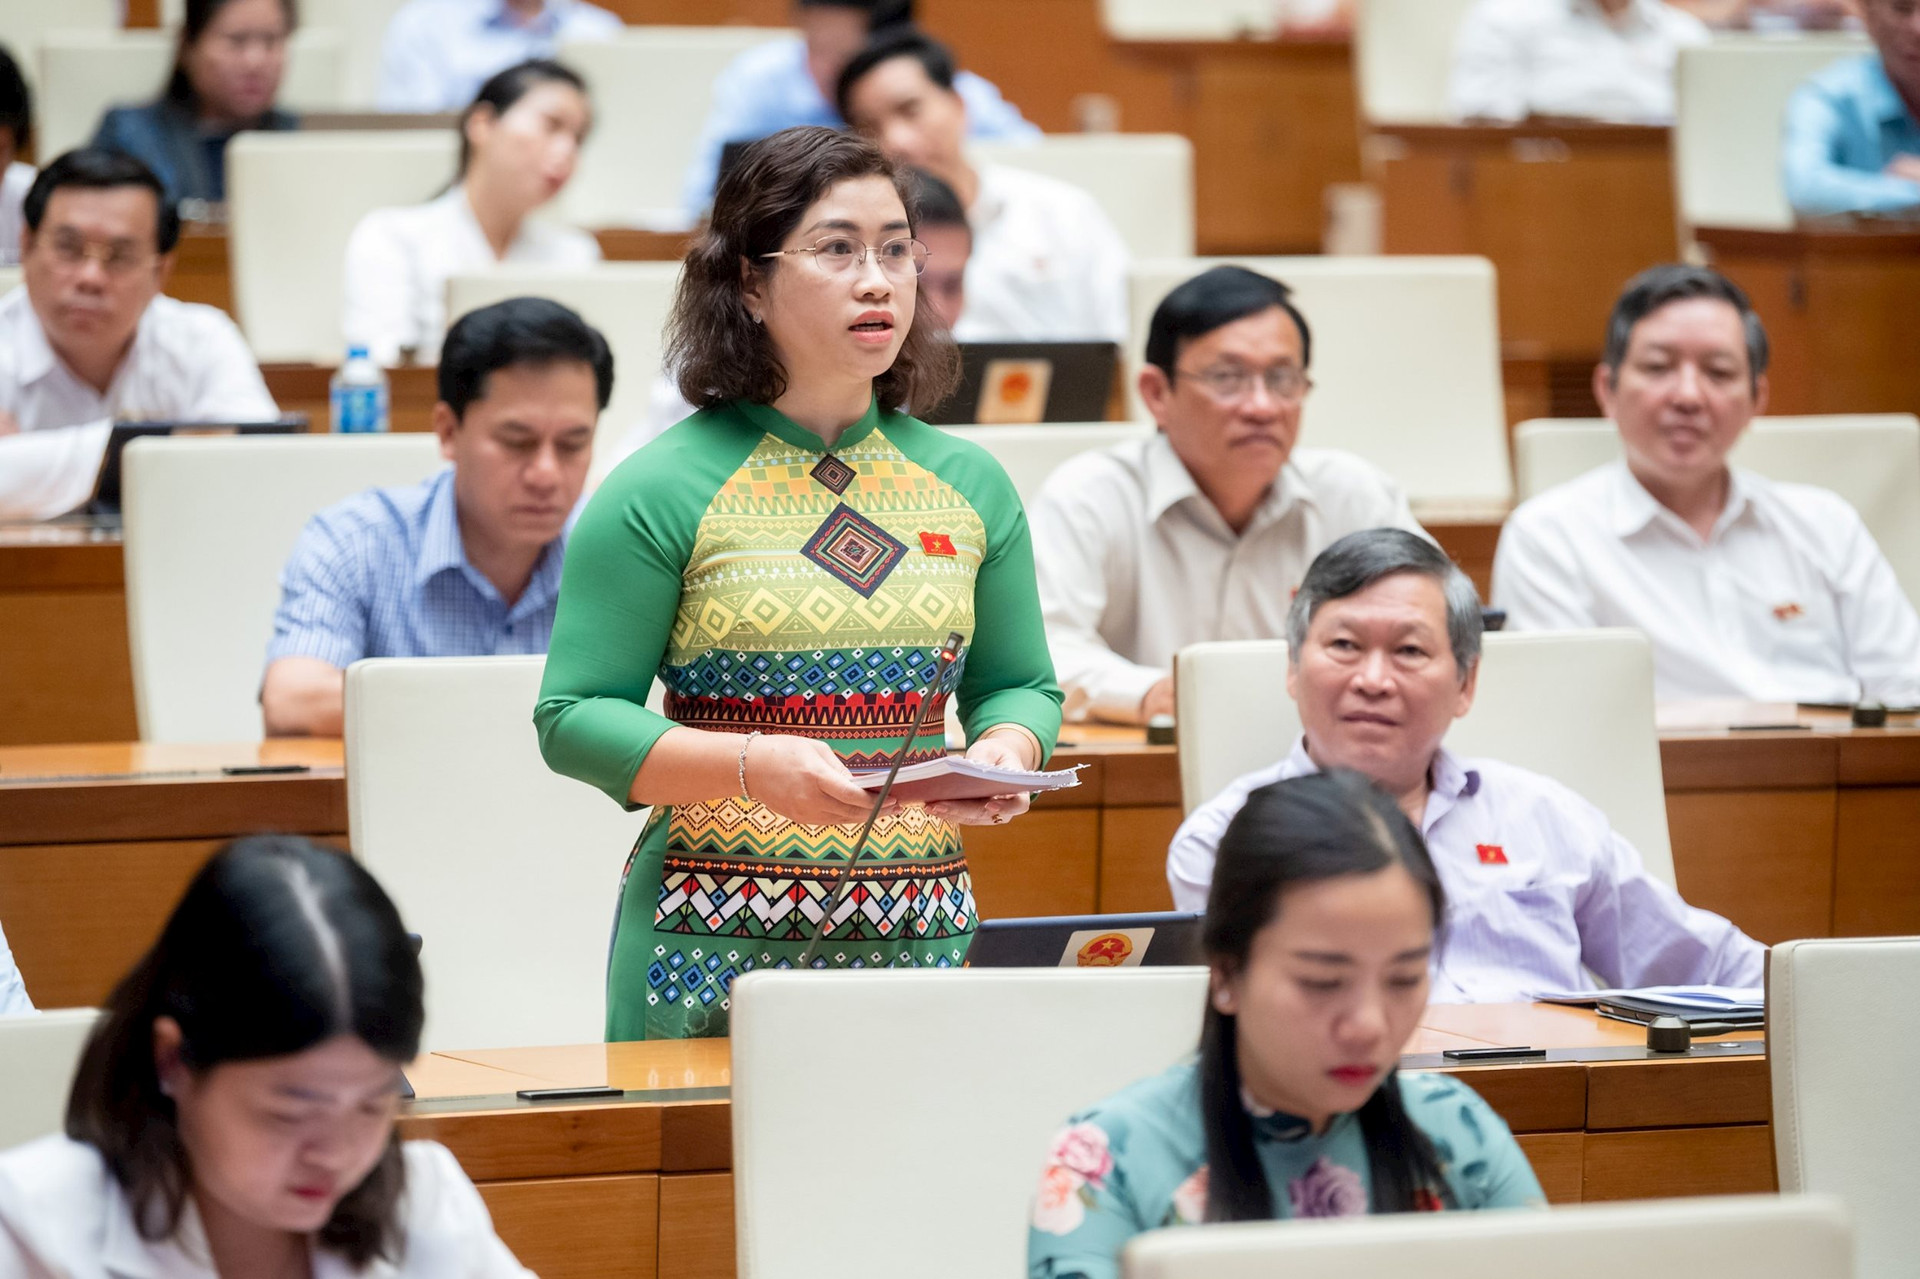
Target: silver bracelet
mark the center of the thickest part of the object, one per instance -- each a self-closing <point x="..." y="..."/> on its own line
<point x="743" y="765"/>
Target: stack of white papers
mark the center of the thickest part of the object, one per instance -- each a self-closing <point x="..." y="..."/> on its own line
<point x="1693" y="999"/>
<point x="957" y="777"/>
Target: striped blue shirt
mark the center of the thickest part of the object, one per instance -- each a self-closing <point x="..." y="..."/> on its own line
<point x="1843" y="127"/>
<point x="384" y="574"/>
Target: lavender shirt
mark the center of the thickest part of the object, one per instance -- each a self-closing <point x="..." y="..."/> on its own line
<point x="1555" y="893"/>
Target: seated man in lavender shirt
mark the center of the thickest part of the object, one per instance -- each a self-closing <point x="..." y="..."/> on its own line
<point x="1385" y="649"/>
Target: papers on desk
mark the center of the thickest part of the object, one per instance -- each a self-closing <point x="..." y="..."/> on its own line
<point x="1693" y="999"/>
<point x="957" y="777"/>
<point x="1719" y="714"/>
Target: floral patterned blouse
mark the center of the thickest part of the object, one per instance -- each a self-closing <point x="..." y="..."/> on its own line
<point x="1137" y="1161"/>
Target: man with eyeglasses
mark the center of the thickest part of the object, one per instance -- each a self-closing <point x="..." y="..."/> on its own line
<point x="1047" y="264"/>
<point x="87" y="340"/>
<point x="1203" y="530"/>
<point x="1748" y="588"/>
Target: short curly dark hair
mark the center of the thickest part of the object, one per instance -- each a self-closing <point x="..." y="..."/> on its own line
<point x="717" y="352"/>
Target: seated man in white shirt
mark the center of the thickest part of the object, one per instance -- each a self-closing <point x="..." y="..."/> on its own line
<point x="1047" y="264"/>
<point x="1384" y="642"/>
<point x="466" y="564"/>
<point x="87" y="339"/>
<point x="1748" y="587"/>
<point x="1202" y="530"/>
<point x="1593" y="59"/>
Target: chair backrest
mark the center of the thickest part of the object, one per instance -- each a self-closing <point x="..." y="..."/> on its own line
<point x="1753" y="1236"/>
<point x="24" y="23"/>
<point x="82" y="73"/>
<point x="9" y="278"/>
<point x="38" y="1052"/>
<point x="1189" y="19"/>
<point x="363" y="26"/>
<point x="1029" y="454"/>
<point x="1730" y="99"/>
<point x="652" y="87"/>
<point x="1403" y="59"/>
<point x="627" y="301"/>
<point x="1406" y="362"/>
<point x="1870" y="459"/>
<point x="209" y="525"/>
<point x="1002" y="1057"/>
<point x="1844" y="1124"/>
<point x="293" y="200"/>
<point x="1143" y="181"/>
<point x="1235" y="716"/>
<point x="509" y="870"/>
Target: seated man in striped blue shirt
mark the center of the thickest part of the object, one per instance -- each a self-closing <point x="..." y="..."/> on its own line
<point x="467" y="563"/>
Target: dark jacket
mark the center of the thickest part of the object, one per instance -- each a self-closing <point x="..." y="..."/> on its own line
<point x="164" y="135"/>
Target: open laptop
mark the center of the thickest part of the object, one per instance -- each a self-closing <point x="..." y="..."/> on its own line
<point x="1157" y="939"/>
<point x="1006" y="383"/>
<point x="106" y="489"/>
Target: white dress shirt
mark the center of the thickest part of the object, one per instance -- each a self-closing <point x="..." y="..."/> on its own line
<point x="1787" y="600"/>
<point x="437" y="53"/>
<point x="1516" y="58"/>
<point x="14" y="185"/>
<point x="13" y="992"/>
<point x="1134" y="562"/>
<point x="1539" y="887"/>
<point x="64" y="1216"/>
<point x="187" y="362"/>
<point x="399" y="262"/>
<point x="1047" y="263"/>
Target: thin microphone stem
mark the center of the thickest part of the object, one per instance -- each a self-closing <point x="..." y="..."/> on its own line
<point x="949" y="653"/>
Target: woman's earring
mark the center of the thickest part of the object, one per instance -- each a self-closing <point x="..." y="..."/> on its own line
<point x="758" y="320"/>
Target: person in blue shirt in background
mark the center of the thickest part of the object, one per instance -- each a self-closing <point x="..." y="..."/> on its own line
<point x="1852" y="137"/>
<point x="437" y="53"/>
<point x="790" y="81"/>
<point x="226" y="74"/>
<point x="467" y="563"/>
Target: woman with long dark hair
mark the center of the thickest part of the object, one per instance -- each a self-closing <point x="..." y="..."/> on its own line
<point x="520" y="139"/>
<point x="1324" y="916"/>
<point x="226" y="75"/>
<point x="788" y="562"/>
<point x="233" y="1114"/>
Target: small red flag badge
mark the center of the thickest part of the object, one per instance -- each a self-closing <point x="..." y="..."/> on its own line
<point x="1787" y="612"/>
<point x="937" y="544"/>
<point x="1491" y="854"/>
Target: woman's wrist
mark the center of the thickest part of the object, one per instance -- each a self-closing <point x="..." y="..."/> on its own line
<point x="1021" y="738"/>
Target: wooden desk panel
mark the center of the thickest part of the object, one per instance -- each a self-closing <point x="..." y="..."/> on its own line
<point x="1763" y="858"/>
<point x="1566" y="211"/>
<point x="581" y="1227"/>
<point x="1674" y="1162"/>
<point x="1876" y="863"/>
<point x="1838" y="300"/>
<point x="303" y="388"/>
<point x="696" y="1226"/>
<point x="65" y="671"/>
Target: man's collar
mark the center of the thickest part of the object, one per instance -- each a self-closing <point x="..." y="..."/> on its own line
<point x="1447" y="773"/>
<point x="35" y="356"/>
<point x="1882" y="99"/>
<point x="441" y="547"/>
<point x="1169" y="483"/>
<point x="1632" y="507"/>
<point x="546" y="22"/>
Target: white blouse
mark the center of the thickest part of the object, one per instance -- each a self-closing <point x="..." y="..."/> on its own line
<point x="399" y="262"/>
<point x="63" y="1216"/>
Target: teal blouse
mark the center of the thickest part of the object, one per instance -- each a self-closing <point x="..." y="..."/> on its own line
<point x="1138" y="1161"/>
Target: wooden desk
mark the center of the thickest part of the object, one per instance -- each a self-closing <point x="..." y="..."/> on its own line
<point x="1839" y="301"/>
<point x="303" y="388"/>
<point x="1789" y="834"/>
<point x="655" y="1166"/>
<point x="1566" y="211"/>
<point x="97" y="842"/>
<point x="1273" y="124"/>
<point x="65" y="672"/>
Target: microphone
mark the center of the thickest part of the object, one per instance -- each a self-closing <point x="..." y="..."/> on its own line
<point x="943" y="665"/>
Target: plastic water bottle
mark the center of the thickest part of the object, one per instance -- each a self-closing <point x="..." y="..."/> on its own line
<point x="358" y="394"/>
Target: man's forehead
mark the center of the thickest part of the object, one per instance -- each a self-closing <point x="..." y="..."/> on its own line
<point x="1402" y="600"/>
<point x="1712" y="322"/>
<point x="1265" y="334"/>
<point x="121" y="211"/>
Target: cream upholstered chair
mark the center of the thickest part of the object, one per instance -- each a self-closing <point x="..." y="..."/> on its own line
<point x="82" y="73"/>
<point x="651" y="90"/>
<point x="209" y="525"/>
<point x="38" y="1052"/>
<point x="1406" y="362"/>
<point x="289" y="214"/>
<point x="24" y="23"/>
<point x="1403" y="59"/>
<point x="1842" y="1034"/>
<point x="1730" y="99"/>
<point x="1753" y="1236"/>
<point x="507" y="869"/>
<point x="627" y="301"/>
<point x="1235" y="717"/>
<point x="1871" y="459"/>
<point x="1029" y="454"/>
<point x="844" y="1082"/>
<point x="1142" y="181"/>
<point x="9" y="278"/>
<point x="1207" y="19"/>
